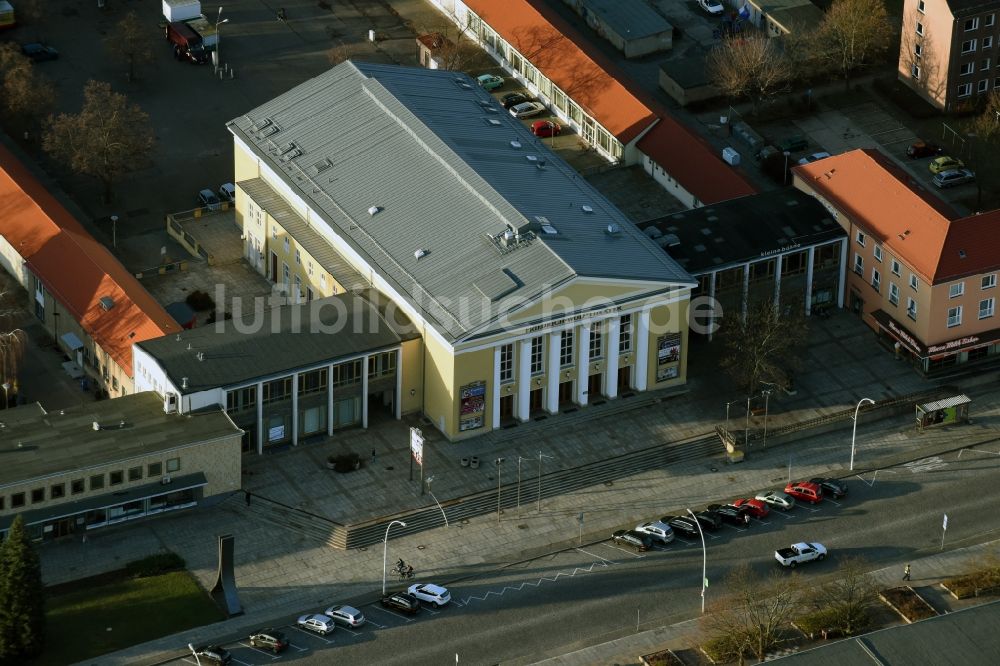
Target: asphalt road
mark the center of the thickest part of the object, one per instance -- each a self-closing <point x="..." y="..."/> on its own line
<point x="599" y="592"/>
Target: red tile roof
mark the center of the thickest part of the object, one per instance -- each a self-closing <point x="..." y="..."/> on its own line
<point x="904" y="217"/>
<point x="76" y="269"/>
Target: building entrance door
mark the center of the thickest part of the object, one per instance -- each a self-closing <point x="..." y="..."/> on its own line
<point x="624" y="379"/>
<point x="535" y="401"/>
<point x="566" y="392"/>
<point x="274" y="267"/>
<point x="506" y="407"/>
<point x="594" y="387"/>
<point x="857" y="304"/>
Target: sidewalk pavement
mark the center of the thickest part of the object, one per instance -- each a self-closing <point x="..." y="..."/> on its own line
<point x="929" y="570"/>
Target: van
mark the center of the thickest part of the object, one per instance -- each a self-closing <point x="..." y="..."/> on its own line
<point x="187" y="42"/>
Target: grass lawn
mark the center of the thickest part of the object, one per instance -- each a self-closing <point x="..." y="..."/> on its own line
<point x="136" y="610"/>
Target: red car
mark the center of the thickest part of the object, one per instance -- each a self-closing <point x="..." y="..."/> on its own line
<point x="755" y="507"/>
<point x="545" y="128"/>
<point x="805" y="491"/>
<point x="923" y="149"/>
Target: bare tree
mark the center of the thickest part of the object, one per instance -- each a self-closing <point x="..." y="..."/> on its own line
<point x="12" y="348"/>
<point x="26" y="94"/>
<point x="750" y="66"/>
<point x="763" y="346"/>
<point x="129" y="41"/>
<point x="753" y="612"/>
<point x="854" y="33"/>
<point x="339" y="53"/>
<point x="108" y="138"/>
<point x="984" y="133"/>
<point x="849" y="597"/>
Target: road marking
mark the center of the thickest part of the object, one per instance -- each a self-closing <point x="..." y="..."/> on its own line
<point x="587" y="552"/>
<point x="627" y="552"/>
<point x="394" y="614"/>
<point x="300" y="649"/>
<point x="245" y="663"/>
<point x="368" y="620"/>
<point x="350" y="631"/>
<point x="738" y="529"/>
<point x="458" y="603"/>
<point x="311" y="633"/>
<point x="992" y="453"/>
<point x="762" y="522"/>
<point x="785" y="514"/>
<point x="928" y="464"/>
<point x="535" y="583"/>
<point x="255" y="649"/>
<point x="874" y="476"/>
<point x="834" y="502"/>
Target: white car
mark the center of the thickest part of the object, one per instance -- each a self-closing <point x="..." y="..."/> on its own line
<point x="815" y="157"/>
<point x="657" y="531"/>
<point x="349" y="616"/>
<point x="799" y="553"/>
<point x="435" y="595"/>
<point x="527" y="109"/>
<point x="320" y="624"/>
<point x="777" y="499"/>
<point x="713" y="7"/>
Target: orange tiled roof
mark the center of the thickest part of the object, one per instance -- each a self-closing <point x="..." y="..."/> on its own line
<point x="566" y="65"/>
<point x="908" y="220"/>
<point x="75" y="268"/>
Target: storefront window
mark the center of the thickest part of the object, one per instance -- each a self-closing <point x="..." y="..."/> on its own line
<point x="173" y="465"/>
<point x="97" y="482"/>
<point x="96" y="518"/>
<point x="154" y="469"/>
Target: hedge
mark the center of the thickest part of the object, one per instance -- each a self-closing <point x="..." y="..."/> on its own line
<point x="154" y="565"/>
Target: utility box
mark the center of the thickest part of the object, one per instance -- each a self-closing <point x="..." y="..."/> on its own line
<point x="730" y="156"/>
<point x="181" y="10"/>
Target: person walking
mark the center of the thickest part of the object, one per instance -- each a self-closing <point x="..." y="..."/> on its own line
<point x="373" y="456"/>
<point x="906" y="572"/>
<point x="246" y="496"/>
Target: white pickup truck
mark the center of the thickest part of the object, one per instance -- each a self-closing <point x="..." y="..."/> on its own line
<point x="798" y="553"/>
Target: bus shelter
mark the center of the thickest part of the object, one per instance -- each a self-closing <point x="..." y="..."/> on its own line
<point x="943" y="412"/>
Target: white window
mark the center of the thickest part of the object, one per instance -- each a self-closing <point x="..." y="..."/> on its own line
<point x="537" y="355"/>
<point x="918" y="50"/>
<point x="286" y="245"/>
<point x="895" y="267"/>
<point x="878" y="252"/>
<point x="566" y="348"/>
<point x="920" y="6"/>
<point x="507" y="363"/>
<point x="915" y="71"/>
<point x="986" y="308"/>
<point x="297" y="295"/>
<point x="860" y="238"/>
<point x="990" y="20"/>
<point x="987" y="42"/>
<point x="972" y="24"/>
<point x="966" y="69"/>
<point x="913" y="281"/>
<point x="309" y="268"/>
<point x="983" y="86"/>
<point x="625" y="337"/>
<point x="911" y="308"/>
<point x="989" y="281"/>
<point x="954" y="316"/>
<point x="969" y="46"/>
<point x="876" y="279"/>
<point x="274" y="232"/>
<point x="920" y="28"/>
<point x="893" y="293"/>
<point x="596" y="341"/>
<point x="859" y="264"/>
<point x="322" y="280"/>
<point x="298" y="257"/>
<point x="956" y="290"/>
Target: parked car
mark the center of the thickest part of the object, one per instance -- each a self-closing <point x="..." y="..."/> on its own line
<point x="656" y="531"/>
<point x="39" y="52"/>
<point x="945" y="163"/>
<point x="227" y="192"/>
<point x="401" y="601"/>
<point x="953" y="177"/>
<point x="544" y="128"/>
<point x="513" y="99"/>
<point x="834" y="487"/>
<point x="207" y="199"/>
<point x="800" y="553"/>
<point x="815" y="157"/>
<point x="793" y="144"/>
<point x="214" y="654"/>
<point x="755" y="507"/>
<point x="734" y="515"/>
<point x="923" y="149"/>
<point x="713" y="7"/>
<point x="269" y="639"/>
<point x="632" y="539"/>
<point x="805" y="491"/>
<point x="490" y="81"/>
<point x="319" y="623"/>
<point x="349" y="616"/>
<point x="778" y="499"/>
<point x="709" y="519"/>
<point x="527" y="109"/>
<point x="435" y="595"/>
<point x="682" y="524"/>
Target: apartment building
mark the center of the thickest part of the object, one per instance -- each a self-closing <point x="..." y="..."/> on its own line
<point x="949" y="52"/>
<point x="919" y="275"/>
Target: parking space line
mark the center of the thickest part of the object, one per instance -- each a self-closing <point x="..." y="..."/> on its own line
<point x="255" y="649"/>
<point x="401" y="617"/>
<point x="763" y="522"/>
<point x="738" y="529"/>
<point x="587" y="552"/>
<point x="311" y="633"/>
<point x="368" y="620"/>
<point x="458" y="603"/>
<point x="786" y="515"/>
<point x="627" y="552"/>
<point x="350" y="631"/>
<point x="431" y="610"/>
<point x="300" y="649"/>
<point x="834" y="502"/>
<point x="245" y="663"/>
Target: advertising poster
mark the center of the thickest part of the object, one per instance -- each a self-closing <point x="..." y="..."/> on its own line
<point x="472" y="406"/>
<point x="668" y="349"/>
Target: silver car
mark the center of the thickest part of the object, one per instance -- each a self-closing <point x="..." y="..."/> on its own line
<point x="349" y="616"/>
<point x="527" y="109"/>
<point x="320" y="624"/>
<point x="657" y="531"/>
<point x="777" y="499"/>
<point x="953" y="177"/>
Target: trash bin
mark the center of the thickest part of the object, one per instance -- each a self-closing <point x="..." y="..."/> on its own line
<point x="730" y="156"/>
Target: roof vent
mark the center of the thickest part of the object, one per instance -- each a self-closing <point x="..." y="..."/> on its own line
<point x="178" y="337"/>
<point x="586" y="209"/>
<point x="96" y="426"/>
<point x="107" y="303"/>
<point x="200" y="356"/>
<point x="613" y="229"/>
<point x="184" y="382"/>
<point x="531" y="158"/>
<point x="670" y="240"/>
<point x="374" y="210"/>
<point x="419" y="254"/>
<point x="258" y="125"/>
<point x="515" y="144"/>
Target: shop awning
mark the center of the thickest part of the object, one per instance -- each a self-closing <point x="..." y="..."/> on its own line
<point x="71" y="341"/>
<point x="910" y="341"/>
<point x="108" y="500"/>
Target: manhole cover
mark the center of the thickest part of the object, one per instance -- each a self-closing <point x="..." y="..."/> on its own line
<point x="522" y="527"/>
<point x="421" y="547"/>
<point x="389" y="468"/>
<point x="465" y="521"/>
<point x="363" y="548"/>
<point x="714" y="469"/>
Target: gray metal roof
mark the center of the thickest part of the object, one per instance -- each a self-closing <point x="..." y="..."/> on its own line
<point x="953" y="401"/>
<point x="631" y="20"/>
<point x="446" y="168"/>
<point x="276" y="341"/>
<point x="37" y="443"/>
<point x="310" y="240"/>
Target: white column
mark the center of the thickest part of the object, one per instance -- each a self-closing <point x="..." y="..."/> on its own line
<point x="746" y="289"/>
<point x="364" y="391"/>
<point x="614" y="328"/>
<point x="496" y="389"/>
<point x="399" y="384"/>
<point x="711" y="296"/>
<point x="777" y="280"/>
<point x="641" y="351"/>
<point x="582" y="363"/>
<point x="295" y="409"/>
<point x="524" y="379"/>
<point x="329" y="400"/>
<point x="553" y="370"/>
<point x="843" y="272"/>
<point x="260" y="418"/>
<point x="810" y="263"/>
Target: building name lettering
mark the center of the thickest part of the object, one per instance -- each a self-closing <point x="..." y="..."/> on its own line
<point x="779" y="250"/>
<point x="905" y="337"/>
<point x="953" y="344"/>
<point x="572" y="319"/>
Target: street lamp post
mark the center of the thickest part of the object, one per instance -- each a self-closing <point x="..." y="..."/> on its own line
<point x="519" y="459"/>
<point x="767" y="395"/>
<point x="540" y="456"/>
<point x="385" y="549"/>
<point x="746" y="433"/>
<point x="704" y="560"/>
<point x="218" y="39"/>
<point x="727" y="413"/>
<point x="854" y="433"/>
<point x="499" y="461"/>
